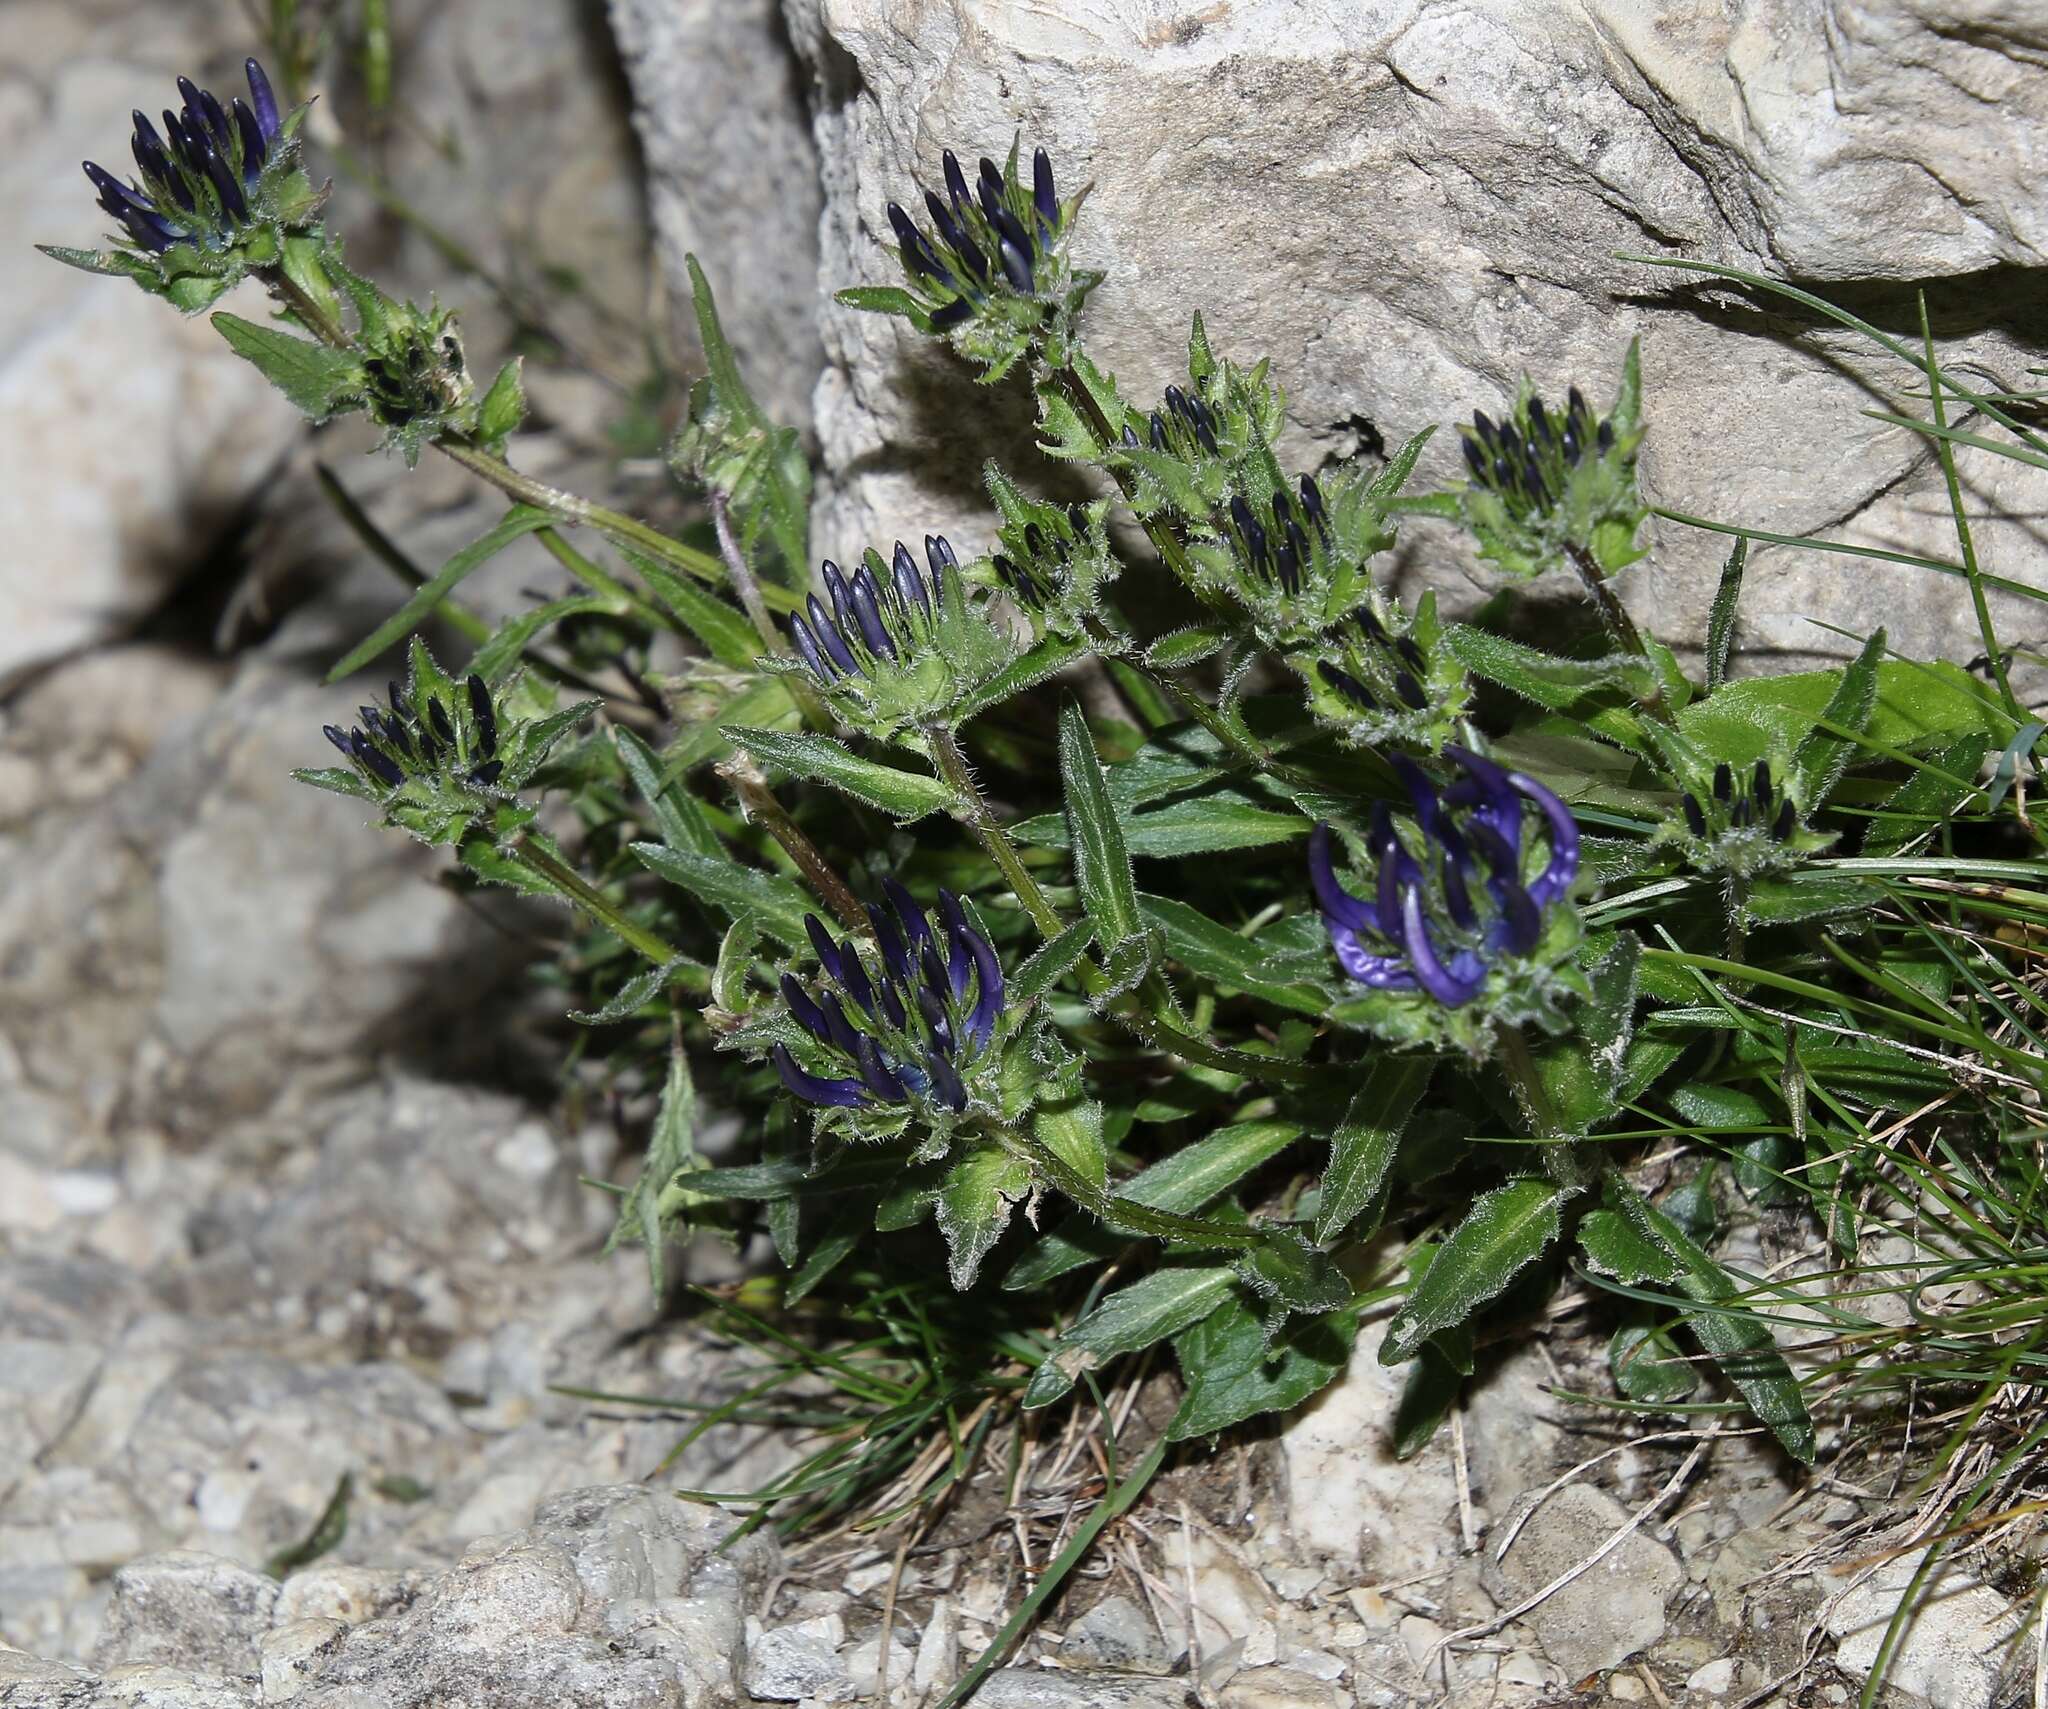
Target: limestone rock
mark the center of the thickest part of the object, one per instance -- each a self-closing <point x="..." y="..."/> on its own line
<point x="188" y="1609"/>
<point x="1348" y="1498"/>
<point x="1406" y="203"/>
<point x="1609" y="1612"/>
<point x="733" y="177"/>
<point x="788" y="1663"/>
<point x="1115" y="1633"/>
<point x="1043" y="1688"/>
<point x="1954" y="1650"/>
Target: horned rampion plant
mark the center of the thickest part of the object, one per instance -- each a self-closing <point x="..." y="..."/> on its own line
<point x="1341" y="960"/>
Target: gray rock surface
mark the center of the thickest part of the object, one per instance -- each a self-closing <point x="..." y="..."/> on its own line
<point x="1955" y="1652"/>
<point x="1610" y="1611"/>
<point x="1115" y="1633"/>
<point x="1039" y="1688"/>
<point x="1406" y="203"/>
<point x="732" y="176"/>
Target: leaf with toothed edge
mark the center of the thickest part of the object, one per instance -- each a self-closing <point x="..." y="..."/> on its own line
<point x="973" y="1207"/>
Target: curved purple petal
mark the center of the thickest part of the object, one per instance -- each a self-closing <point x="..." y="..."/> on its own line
<point x="829" y="636"/>
<point x="867" y="613"/>
<point x="1451" y="987"/>
<point x="1496" y="801"/>
<point x="853" y="978"/>
<point x="875" y="1074"/>
<point x="842" y="1094"/>
<point x="806" y="1013"/>
<point x="1521" y="922"/>
<point x="845" y="1035"/>
<point x="821" y="942"/>
<point x="806" y="645"/>
<point x="261" y="98"/>
<point x="1556" y="877"/>
<point x="1380" y="972"/>
<point x="909" y="584"/>
<point x="955" y="920"/>
<point x="835" y="585"/>
<point x="890" y="941"/>
<point x="988" y="974"/>
<point x="947" y="1086"/>
<point x="916" y="929"/>
<point x="1338" y="905"/>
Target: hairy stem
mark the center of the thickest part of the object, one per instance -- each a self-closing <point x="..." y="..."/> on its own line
<point x="1560" y="1151"/>
<point x="973" y="812"/>
<point x="762" y="808"/>
<point x="572" y="884"/>
<point x="741" y="574"/>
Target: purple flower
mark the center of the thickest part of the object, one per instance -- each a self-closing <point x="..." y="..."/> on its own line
<point x="928" y="1003"/>
<point x="1442" y="917"/>
<point x="1528" y="464"/>
<point x="416" y="736"/>
<point x="198" y="173"/>
<point x="880" y="612"/>
<point x="993" y="236"/>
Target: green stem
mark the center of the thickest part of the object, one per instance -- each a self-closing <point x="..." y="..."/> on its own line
<point x="1170" y="1039"/>
<point x="1125" y="1215"/>
<point x="309" y="313"/>
<point x="973" y="812"/>
<point x="597" y="905"/>
<point x="1987" y="631"/>
<point x="615" y="526"/>
<point x="762" y="808"/>
<point x="741" y="574"/>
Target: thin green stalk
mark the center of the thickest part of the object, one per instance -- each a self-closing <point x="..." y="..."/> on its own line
<point x="1987" y="631"/>
<point x="1115" y="1502"/>
<point x="973" y="812"/>
<point x="598" y="906"/>
<point x="763" y="808"/>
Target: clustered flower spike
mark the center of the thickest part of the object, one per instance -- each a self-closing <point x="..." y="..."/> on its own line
<point x="1744" y="823"/>
<point x="879" y="615"/>
<point x="1550" y="486"/>
<point x="915" y="1023"/>
<point x="1185" y="427"/>
<point x="1528" y="466"/>
<point x="416" y="736"/>
<point x="1445" y="913"/>
<point x="200" y="174"/>
<point x="989" y="241"/>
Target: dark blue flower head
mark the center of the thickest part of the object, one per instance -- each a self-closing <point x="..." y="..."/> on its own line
<point x="1548" y="484"/>
<point x="417" y="735"/>
<point x="988" y="270"/>
<point x="1460" y="897"/>
<point x="898" y="643"/>
<point x="910" y="1023"/>
<point x="1744" y="822"/>
<point x="199" y="177"/>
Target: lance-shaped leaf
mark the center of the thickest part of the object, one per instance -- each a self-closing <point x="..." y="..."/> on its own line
<point x="973" y="1207"/>
<point x="1148" y="1311"/>
<point x="315" y="377"/>
<point x="1102" y="865"/>
<point x="1825" y="754"/>
<point x="1503" y="1233"/>
<point x="1362" y="1149"/>
<point x="904" y="795"/>
<point x="1583" y="1072"/>
<point x="1721" y="619"/>
<point x="678" y="815"/>
<point x="1234" y="1371"/>
<point x="1727" y="1328"/>
<point x="733" y="889"/>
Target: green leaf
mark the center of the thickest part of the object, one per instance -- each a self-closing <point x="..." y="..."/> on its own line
<point x="1582" y="1073"/>
<point x="518" y="522"/>
<point x="1362" y="1148"/>
<point x="503" y="407"/>
<point x="1432" y="1389"/>
<point x="1185" y="1182"/>
<point x="1185" y="647"/>
<point x="1204" y="824"/>
<point x="1917" y="706"/>
<point x="671" y="1149"/>
<point x="1804" y="896"/>
<point x="839" y="1242"/>
<point x="1648" y="1365"/>
<point x="974" y="1205"/>
<point x="726" y="885"/>
<point x="904" y="795"/>
<point x="337" y="780"/>
<point x="1721" y="620"/>
<point x="678" y="815"/>
<point x="1503" y="1233"/>
<point x="1128" y="1320"/>
<point x="1027" y="670"/>
<point x="1930" y="794"/>
<point x="1216" y="953"/>
<point x="631" y="997"/>
<point x="1049" y="963"/>
<point x="1284" y="1266"/>
<point x="1823" y="755"/>
<point x="1739" y="1341"/>
<point x="1544" y="678"/>
<point x="496" y="659"/>
<point x="1233" y="1372"/>
<point x="1102" y="865"/>
<point x="1615" y="1247"/>
<point x="109" y="265"/>
<point x="315" y="377"/>
<point x="884" y="299"/>
<point x="1072" y="1131"/>
<point x="724" y="631"/>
